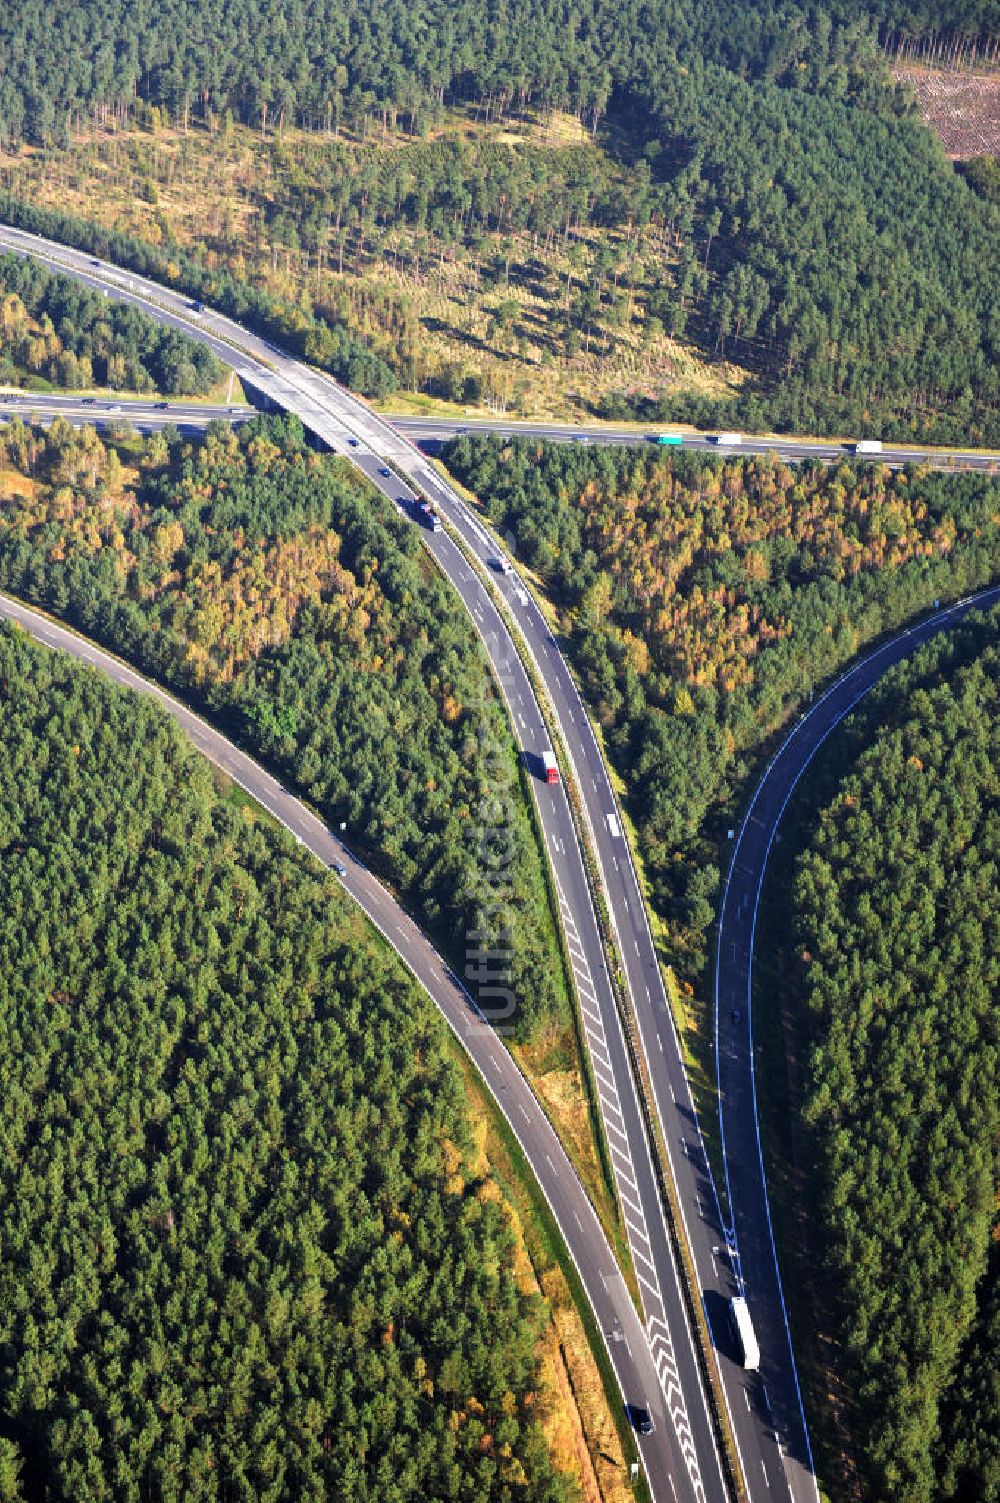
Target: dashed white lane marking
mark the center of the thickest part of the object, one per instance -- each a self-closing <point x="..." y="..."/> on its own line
<point x="524" y="1111"/>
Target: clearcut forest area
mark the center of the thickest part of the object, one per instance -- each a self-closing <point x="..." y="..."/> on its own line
<point x="890" y="981"/>
<point x="260" y="1235"/>
<point x="729" y="214"/>
<point x="247" y="1252"/>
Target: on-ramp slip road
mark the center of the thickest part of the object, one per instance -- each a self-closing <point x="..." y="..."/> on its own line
<point x="775" y="1459"/>
<point x="773" y="1390"/>
<point x="595" y="1262"/>
<point x="680" y="1456"/>
<point x="765" y="1413"/>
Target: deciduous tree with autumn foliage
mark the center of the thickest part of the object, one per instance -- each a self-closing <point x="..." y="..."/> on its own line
<point x="284" y="592"/>
<point x="702" y="601"/>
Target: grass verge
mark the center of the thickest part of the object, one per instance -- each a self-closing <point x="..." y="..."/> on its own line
<point x="704" y="1344"/>
<point x="610" y="1442"/>
<point x="578" y="1403"/>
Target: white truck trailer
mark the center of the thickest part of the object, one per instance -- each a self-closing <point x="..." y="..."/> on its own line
<point x="743" y="1333"/>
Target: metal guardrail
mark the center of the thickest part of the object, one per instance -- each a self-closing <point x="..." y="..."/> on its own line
<point x="719" y="1412"/>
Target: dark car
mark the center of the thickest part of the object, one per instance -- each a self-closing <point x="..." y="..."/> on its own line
<point x="385" y="472"/>
<point x="640" y="1419"/>
<point x="162" y="406"/>
<point x="353" y="442"/>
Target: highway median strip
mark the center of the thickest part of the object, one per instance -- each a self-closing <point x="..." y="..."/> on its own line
<point x="661" y="1163"/>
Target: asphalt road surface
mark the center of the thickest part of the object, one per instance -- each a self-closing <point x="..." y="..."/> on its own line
<point x="613" y="1307"/>
<point x="143" y="413"/>
<point x="428" y="431"/>
<point x="775" y="1460"/>
<point x="773" y="1391"/>
<point x="680" y="1456"/>
<point x="766" y="1414"/>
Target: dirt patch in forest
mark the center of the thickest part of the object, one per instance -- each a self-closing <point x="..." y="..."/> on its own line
<point x="962" y="109"/>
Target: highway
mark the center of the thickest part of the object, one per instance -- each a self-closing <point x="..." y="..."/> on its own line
<point x="775" y="1457"/>
<point x="595" y="1262"/>
<point x="143" y="413"/>
<point x="766" y="1415"/>
<point x="746" y="1184"/>
<point x="680" y="1456"/>
<point x="430" y="431"/>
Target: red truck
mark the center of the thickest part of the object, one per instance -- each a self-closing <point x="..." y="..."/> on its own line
<point x="550" y="767"/>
